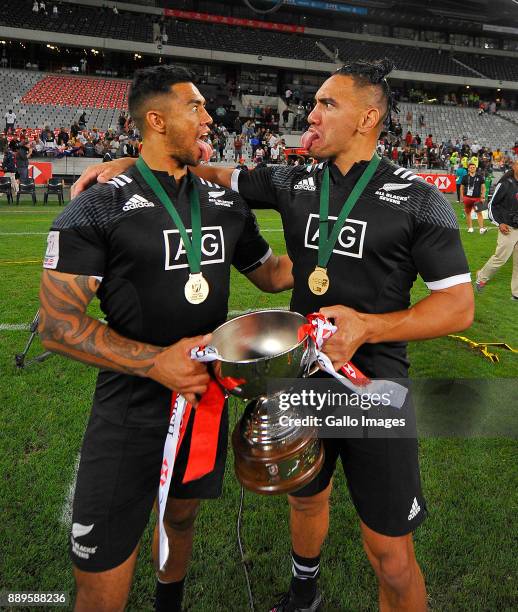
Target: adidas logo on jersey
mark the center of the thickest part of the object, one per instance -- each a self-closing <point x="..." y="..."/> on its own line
<point x="414" y="510"/>
<point x="308" y="184"/>
<point x="137" y="201"/>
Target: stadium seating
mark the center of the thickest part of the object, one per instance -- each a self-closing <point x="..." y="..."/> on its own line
<point x="89" y="21"/>
<point x="39" y="99"/>
<point x="446" y="122"/>
<point x="219" y="37"/>
<point x="405" y="58"/>
<point x="78" y="91"/>
<point x="502" y="68"/>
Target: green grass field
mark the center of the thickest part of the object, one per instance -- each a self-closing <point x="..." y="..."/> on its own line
<point x="467" y="548"/>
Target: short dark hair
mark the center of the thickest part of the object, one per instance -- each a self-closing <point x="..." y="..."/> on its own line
<point x="367" y="74"/>
<point x="148" y="82"/>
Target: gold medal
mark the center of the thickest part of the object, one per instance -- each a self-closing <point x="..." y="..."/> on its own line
<point x="318" y="281"/>
<point x="196" y="289"/>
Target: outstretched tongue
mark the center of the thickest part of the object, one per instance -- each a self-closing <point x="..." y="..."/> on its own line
<point x="206" y="150"/>
<point x="307" y="139"/>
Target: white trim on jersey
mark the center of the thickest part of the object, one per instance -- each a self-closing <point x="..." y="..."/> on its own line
<point x="234" y="180"/>
<point x="451" y="281"/>
<point x="398" y="171"/>
<point x="259" y="262"/>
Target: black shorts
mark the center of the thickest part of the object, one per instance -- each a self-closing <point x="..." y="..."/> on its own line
<point x="117" y="484"/>
<point x="383" y="480"/>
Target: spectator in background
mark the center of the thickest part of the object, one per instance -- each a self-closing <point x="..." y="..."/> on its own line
<point x="422" y="123"/>
<point x="9" y="168"/>
<point x="409" y="119"/>
<point x="460" y="173"/>
<point x="222" y="141"/>
<point x="287" y="95"/>
<point x="122" y="121"/>
<point x="428" y="143"/>
<point x="82" y="121"/>
<point x="238" y="147"/>
<point x="10" y="121"/>
<point x="35" y="7"/>
<point x="95" y="136"/>
<point x="472" y="194"/>
<point x="3" y="143"/>
<point x="63" y="137"/>
<point x="275" y="153"/>
<point x="23" y="153"/>
<point x="74" y="130"/>
<point x="259" y="155"/>
<point x="498" y="158"/>
<point x="83" y="63"/>
<point x="99" y="148"/>
<point x="55" y="11"/>
<point x="503" y="211"/>
<point x="37" y="146"/>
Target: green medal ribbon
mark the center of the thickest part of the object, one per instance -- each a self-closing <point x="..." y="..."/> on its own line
<point x="326" y="244"/>
<point x="192" y="248"/>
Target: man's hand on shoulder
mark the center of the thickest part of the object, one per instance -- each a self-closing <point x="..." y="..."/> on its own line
<point x="101" y="173"/>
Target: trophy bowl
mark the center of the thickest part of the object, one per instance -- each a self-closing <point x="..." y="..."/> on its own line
<point x="255" y="349"/>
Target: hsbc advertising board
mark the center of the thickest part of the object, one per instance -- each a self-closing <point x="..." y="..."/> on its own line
<point x="443" y="182"/>
<point x="41" y="172"/>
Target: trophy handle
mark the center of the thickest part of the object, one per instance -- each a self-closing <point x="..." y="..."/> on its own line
<point x="311" y="366"/>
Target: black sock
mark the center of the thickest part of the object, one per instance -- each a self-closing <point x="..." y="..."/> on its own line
<point x="169" y="596"/>
<point x="305" y="576"/>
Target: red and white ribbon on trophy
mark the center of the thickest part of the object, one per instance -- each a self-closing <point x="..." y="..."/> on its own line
<point x="204" y="438"/>
<point x="202" y="452"/>
<point x="320" y="329"/>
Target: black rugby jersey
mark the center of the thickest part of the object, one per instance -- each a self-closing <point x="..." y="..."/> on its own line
<point x="121" y="233"/>
<point x="400" y="227"/>
<point x="472" y="185"/>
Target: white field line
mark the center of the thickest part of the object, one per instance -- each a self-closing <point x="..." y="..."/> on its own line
<point x="14" y="327"/>
<point x="66" y="511"/>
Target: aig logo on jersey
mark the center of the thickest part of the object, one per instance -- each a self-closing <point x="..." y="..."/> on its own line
<point x="350" y="239"/>
<point x="212" y="247"/>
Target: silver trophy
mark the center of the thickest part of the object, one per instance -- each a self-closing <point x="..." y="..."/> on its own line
<point x="255" y="349"/>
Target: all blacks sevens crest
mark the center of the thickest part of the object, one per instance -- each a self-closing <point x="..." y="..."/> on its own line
<point x="254" y="349"/>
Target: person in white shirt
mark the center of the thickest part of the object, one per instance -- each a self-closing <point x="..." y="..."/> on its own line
<point x="275" y="153"/>
<point x="10" y="120"/>
<point x="35" y="7"/>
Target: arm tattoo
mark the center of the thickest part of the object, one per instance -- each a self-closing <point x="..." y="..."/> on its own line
<point x="65" y="327"/>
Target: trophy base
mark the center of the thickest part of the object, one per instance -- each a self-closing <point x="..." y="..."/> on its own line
<point x="282" y="469"/>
